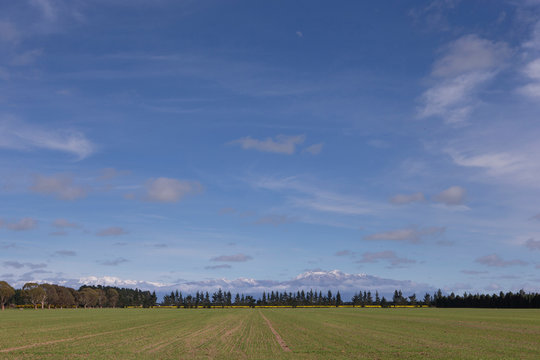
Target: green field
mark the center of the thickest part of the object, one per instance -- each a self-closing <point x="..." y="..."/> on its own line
<point x="247" y="334"/>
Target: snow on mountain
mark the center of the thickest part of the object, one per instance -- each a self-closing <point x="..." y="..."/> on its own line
<point x="317" y="280"/>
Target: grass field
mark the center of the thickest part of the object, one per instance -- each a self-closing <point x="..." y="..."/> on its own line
<point x="270" y="334"/>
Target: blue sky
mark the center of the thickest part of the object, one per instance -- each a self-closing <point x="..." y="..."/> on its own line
<point x="253" y="145"/>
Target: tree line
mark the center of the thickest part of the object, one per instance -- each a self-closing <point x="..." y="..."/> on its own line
<point x="57" y="296"/>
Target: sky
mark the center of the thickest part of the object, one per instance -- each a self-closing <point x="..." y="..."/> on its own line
<point x="258" y="145"/>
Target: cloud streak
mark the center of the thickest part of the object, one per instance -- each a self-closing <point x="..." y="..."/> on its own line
<point x="112" y="231"/>
<point x="411" y="234"/>
<point x="494" y="260"/>
<point x="17" y="135"/>
<point x="465" y="66"/>
<point x="388" y="256"/>
<point x="232" y="258"/>
<point x="114" y="262"/>
<point x="282" y="144"/>
<point x="23" y="224"/>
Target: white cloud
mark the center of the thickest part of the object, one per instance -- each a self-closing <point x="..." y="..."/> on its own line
<point x="23" y="224"/>
<point x="452" y="99"/>
<point x="470" y="53"/>
<point x="282" y="144"/>
<point x="411" y="234"/>
<point x="112" y="231"/>
<point x="509" y="155"/>
<point x="407" y="199"/>
<point x="17" y="135"/>
<point x="465" y="65"/>
<point x="531" y="90"/>
<point x="169" y="190"/>
<point x="454" y="195"/>
<point x="532" y="69"/>
<point x="299" y="34"/>
<point x="61" y="186"/>
<point x="314" y="149"/>
<point x="495" y="261"/>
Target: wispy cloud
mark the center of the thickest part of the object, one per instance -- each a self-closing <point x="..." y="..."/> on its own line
<point x="509" y="162"/>
<point x="473" y="272"/>
<point x="494" y="260"/>
<point x="13" y="264"/>
<point x="18" y="135"/>
<point x="401" y="199"/>
<point x="411" y="234"/>
<point x="389" y="256"/>
<point x="19" y="265"/>
<point x="9" y="32"/>
<point x="112" y="231"/>
<point x="531" y="71"/>
<point x="344" y="253"/>
<point x="23" y="224"/>
<point x="304" y="195"/>
<point x="532" y="244"/>
<point x="111" y="173"/>
<point x="465" y="66"/>
<point x="114" y="262"/>
<point x="215" y="267"/>
<point x="61" y="186"/>
<point x="314" y="149"/>
<point x="283" y="144"/>
<point x="454" y="195"/>
<point x="65" y="253"/>
<point x="232" y="258"/>
<point x="275" y="220"/>
<point x="63" y="224"/>
<point x="167" y="190"/>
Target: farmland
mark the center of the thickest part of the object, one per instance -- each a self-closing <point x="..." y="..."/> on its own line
<point x="343" y="333"/>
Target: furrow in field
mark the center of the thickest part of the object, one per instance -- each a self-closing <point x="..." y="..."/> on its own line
<point x="280" y="341"/>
